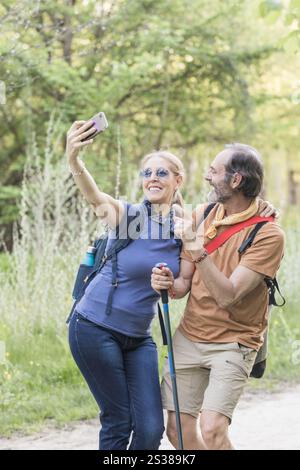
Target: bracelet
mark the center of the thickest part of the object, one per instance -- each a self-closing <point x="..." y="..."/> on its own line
<point x="78" y="173"/>
<point x="203" y="255"/>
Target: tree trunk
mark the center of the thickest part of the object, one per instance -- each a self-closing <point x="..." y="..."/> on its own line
<point x="68" y="36"/>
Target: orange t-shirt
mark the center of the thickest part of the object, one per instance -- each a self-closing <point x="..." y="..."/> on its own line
<point x="245" y="321"/>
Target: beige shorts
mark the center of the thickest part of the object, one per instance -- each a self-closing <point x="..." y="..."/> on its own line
<point x="210" y="376"/>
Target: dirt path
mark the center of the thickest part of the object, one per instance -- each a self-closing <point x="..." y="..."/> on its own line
<point x="262" y="421"/>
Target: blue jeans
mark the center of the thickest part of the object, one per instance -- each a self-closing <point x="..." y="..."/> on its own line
<point x="122" y="374"/>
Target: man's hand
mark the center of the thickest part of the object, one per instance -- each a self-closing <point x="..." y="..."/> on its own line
<point x="162" y="279"/>
<point x="184" y="229"/>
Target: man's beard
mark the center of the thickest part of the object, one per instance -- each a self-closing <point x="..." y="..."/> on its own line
<point x="217" y="195"/>
<point x="212" y="196"/>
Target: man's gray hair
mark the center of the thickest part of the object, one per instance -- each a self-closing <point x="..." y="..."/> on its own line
<point x="246" y="161"/>
<point x="244" y="147"/>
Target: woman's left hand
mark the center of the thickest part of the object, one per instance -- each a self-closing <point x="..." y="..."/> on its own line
<point x="266" y="209"/>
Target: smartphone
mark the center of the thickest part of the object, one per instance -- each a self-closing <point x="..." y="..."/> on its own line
<point x="100" y="122"/>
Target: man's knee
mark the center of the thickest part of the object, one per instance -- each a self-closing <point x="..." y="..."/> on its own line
<point x="211" y="433"/>
<point x="214" y="427"/>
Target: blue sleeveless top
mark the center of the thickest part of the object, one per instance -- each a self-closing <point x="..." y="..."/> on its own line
<point x="134" y="301"/>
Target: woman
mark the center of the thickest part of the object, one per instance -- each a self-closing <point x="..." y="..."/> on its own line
<point x="115" y="352"/>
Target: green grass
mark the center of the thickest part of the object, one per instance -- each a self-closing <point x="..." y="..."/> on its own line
<point x="40" y="382"/>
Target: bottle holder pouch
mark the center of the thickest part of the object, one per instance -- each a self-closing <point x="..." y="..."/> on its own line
<point x="83" y="272"/>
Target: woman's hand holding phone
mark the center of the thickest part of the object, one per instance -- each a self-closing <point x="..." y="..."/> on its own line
<point x="78" y="131"/>
<point x="81" y="133"/>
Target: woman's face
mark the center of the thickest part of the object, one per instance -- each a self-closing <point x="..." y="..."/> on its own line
<point x="159" y="182"/>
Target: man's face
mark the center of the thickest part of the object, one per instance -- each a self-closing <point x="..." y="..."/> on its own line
<point x="216" y="177"/>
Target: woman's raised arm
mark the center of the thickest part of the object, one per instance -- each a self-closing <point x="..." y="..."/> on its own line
<point x="107" y="208"/>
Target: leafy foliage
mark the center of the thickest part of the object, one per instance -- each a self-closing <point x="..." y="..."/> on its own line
<point x="177" y="74"/>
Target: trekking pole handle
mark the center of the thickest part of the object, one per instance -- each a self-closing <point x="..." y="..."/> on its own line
<point x="163" y="292"/>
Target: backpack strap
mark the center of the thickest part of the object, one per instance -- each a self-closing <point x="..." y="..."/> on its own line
<point x="114" y="283"/>
<point x="248" y="242"/>
<point x="112" y="255"/>
<point x="112" y="252"/>
<point x="206" y="212"/>
<point x="100" y="244"/>
<point x="272" y="284"/>
<point x="224" y="236"/>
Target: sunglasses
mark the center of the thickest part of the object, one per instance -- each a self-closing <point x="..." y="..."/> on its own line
<point x="161" y="173"/>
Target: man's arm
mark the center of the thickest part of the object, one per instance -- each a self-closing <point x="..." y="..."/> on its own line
<point x="246" y="277"/>
<point x="228" y="291"/>
<point x="261" y="260"/>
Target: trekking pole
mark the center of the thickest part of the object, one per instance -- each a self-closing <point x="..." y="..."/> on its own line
<point x="165" y="302"/>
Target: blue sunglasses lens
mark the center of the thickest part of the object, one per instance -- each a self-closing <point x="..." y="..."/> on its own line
<point x="146" y="173"/>
<point x="160" y="173"/>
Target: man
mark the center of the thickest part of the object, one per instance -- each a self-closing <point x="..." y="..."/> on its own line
<point x="226" y="314"/>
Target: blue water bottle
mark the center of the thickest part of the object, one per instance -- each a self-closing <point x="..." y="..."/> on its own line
<point x="89" y="259"/>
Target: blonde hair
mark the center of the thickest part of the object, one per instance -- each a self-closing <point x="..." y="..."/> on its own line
<point x="177" y="169"/>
